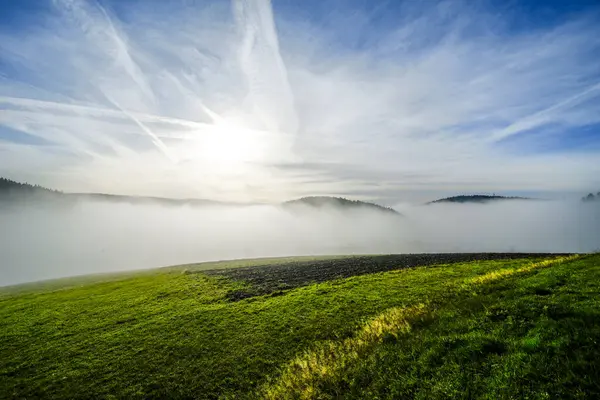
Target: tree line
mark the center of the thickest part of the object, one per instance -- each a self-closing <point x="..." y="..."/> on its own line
<point x="8" y="185"/>
<point x="591" y="197"/>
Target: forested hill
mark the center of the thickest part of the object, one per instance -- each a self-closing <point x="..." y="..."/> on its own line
<point x="338" y="202"/>
<point x="478" y="198"/>
<point x="590" y="197"/>
<point x="10" y="188"/>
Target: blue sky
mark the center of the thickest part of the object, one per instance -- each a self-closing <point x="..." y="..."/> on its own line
<point x="528" y="13"/>
<point x="392" y="100"/>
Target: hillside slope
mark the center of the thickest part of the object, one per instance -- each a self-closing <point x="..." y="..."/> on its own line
<point x="517" y="328"/>
<point x="477" y="198"/>
<point x="321" y="202"/>
<point x="12" y="190"/>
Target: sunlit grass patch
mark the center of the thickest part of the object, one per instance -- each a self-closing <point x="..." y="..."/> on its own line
<point x="503" y="273"/>
<point x="305" y="374"/>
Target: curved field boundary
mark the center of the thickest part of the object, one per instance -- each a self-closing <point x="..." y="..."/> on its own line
<point x="266" y="279"/>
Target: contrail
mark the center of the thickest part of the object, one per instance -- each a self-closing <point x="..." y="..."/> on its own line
<point x="266" y="75"/>
<point x="19" y="108"/>
<point x="533" y="119"/>
<point x="102" y="32"/>
<point x="94" y="111"/>
<point x="155" y="139"/>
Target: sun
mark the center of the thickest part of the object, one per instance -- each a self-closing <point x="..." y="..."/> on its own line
<point x="232" y="145"/>
<point x="229" y="147"/>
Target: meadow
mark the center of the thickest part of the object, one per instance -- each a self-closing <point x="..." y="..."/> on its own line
<point x="525" y="327"/>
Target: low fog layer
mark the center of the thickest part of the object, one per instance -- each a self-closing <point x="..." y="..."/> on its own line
<point x="92" y="237"/>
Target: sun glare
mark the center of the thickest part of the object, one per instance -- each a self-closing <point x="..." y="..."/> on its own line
<point x="228" y="147"/>
<point x="232" y="145"/>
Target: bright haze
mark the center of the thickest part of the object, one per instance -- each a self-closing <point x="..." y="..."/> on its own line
<point x="253" y="101"/>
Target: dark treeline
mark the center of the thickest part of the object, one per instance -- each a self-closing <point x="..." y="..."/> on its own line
<point x="13" y="190"/>
<point x="476" y="198"/>
<point x="8" y="186"/>
<point x="321" y="201"/>
<point x="591" y="197"/>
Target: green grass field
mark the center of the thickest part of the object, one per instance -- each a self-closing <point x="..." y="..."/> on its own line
<point x="522" y="329"/>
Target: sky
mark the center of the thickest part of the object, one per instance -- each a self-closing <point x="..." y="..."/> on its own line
<point x="251" y="101"/>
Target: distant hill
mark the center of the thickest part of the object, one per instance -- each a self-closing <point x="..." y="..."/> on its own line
<point x="477" y="198"/>
<point x="590" y="197"/>
<point x="13" y="189"/>
<point x="339" y="202"/>
<point x="16" y="191"/>
<point x="24" y="192"/>
<point x="164" y="201"/>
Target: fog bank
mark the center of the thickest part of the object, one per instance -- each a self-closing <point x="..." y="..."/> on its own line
<point x="92" y="237"/>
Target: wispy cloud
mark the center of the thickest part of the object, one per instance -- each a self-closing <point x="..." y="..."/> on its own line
<point x="238" y="101"/>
